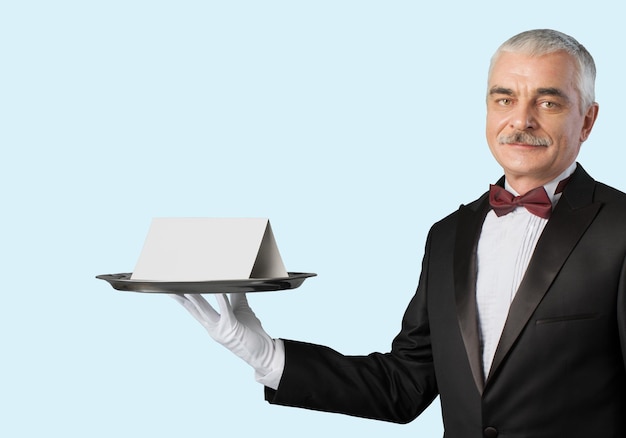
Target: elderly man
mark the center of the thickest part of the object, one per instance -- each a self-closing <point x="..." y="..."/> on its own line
<point x="519" y="319"/>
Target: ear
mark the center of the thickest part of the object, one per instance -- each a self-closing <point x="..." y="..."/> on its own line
<point x="590" y="119"/>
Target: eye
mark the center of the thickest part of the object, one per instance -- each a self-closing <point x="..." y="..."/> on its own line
<point x="505" y="101"/>
<point x="548" y="105"/>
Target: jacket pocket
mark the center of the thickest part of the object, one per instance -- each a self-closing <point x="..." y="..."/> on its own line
<point x="567" y="318"/>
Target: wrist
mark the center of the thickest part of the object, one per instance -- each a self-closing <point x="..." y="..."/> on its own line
<point x="270" y="374"/>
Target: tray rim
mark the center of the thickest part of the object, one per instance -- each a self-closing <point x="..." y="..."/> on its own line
<point x="123" y="282"/>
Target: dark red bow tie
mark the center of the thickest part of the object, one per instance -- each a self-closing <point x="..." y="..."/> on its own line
<point x="536" y="201"/>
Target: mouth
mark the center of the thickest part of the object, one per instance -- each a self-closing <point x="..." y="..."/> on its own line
<point x="524" y="145"/>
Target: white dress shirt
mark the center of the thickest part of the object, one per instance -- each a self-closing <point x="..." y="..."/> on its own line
<point x="505" y="247"/>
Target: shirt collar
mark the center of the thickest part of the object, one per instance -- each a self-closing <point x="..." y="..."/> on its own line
<point x="550" y="186"/>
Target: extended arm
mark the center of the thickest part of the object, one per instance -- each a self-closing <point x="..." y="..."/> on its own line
<point x="395" y="386"/>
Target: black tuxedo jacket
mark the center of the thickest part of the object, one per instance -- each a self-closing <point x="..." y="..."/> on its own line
<point x="559" y="369"/>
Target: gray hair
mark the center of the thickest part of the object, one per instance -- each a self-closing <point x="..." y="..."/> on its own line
<point x="544" y="41"/>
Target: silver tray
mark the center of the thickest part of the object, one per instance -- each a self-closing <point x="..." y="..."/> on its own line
<point x="123" y="282"/>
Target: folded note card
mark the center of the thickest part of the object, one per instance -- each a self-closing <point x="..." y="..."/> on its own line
<point x="205" y="249"/>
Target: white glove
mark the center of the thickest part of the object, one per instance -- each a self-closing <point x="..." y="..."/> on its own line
<point x="237" y="328"/>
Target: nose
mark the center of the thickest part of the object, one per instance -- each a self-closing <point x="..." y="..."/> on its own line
<point x="523" y="117"/>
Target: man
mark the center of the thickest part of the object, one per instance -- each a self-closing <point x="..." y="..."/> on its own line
<point x="519" y="319"/>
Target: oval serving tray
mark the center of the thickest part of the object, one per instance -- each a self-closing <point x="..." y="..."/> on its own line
<point x="123" y="282"/>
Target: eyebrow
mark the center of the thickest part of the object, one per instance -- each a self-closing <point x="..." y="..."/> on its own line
<point x="548" y="91"/>
<point x="552" y="91"/>
<point x="500" y="90"/>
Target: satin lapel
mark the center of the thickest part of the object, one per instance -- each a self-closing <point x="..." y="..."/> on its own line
<point x="572" y="216"/>
<point x="469" y="226"/>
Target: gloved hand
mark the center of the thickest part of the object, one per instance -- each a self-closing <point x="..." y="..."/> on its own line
<point x="237" y="328"/>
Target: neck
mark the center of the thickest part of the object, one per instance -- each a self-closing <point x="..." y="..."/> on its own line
<point x="525" y="183"/>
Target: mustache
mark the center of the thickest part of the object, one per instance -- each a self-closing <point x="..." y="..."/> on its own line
<point x="524" y="138"/>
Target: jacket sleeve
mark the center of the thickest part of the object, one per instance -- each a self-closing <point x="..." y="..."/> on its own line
<point x="621" y="311"/>
<point x="395" y="386"/>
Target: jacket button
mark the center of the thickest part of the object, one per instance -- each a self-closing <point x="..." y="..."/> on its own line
<point x="490" y="432"/>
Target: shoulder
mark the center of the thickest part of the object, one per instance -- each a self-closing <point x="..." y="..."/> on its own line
<point x="467" y="213"/>
<point x="583" y="189"/>
<point x="612" y="205"/>
<point x="606" y="193"/>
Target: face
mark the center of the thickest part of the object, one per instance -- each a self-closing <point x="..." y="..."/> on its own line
<point x="535" y="125"/>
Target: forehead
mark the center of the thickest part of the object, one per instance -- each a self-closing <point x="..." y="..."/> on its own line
<point x="525" y="72"/>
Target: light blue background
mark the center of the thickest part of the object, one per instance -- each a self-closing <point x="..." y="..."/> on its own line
<point x="335" y="119"/>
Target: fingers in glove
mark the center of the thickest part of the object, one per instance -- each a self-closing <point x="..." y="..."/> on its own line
<point x="192" y="309"/>
<point x="239" y="301"/>
<point x="243" y="312"/>
<point x="202" y="308"/>
<point x="178" y="298"/>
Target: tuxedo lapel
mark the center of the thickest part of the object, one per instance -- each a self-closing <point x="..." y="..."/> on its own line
<point x="469" y="226"/>
<point x="571" y="217"/>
